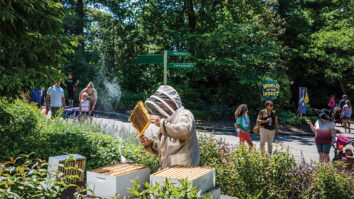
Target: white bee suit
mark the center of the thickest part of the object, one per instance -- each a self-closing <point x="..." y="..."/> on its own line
<point x="177" y="142"/>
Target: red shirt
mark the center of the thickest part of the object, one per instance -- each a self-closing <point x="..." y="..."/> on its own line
<point x="323" y="137"/>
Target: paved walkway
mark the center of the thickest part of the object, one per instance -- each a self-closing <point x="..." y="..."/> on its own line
<point x="300" y="144"/>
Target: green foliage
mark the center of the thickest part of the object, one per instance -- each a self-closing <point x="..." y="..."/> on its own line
<point x="129" y="100"/>
<point x="30" y="131"/>
<point x="33" y="45"/>
<point x="28" y="177"/>
<point x="329" y="182"/>
<point x="291" y="119"/>
<point x="166" y="190"/>
<point x="318" y="36"/>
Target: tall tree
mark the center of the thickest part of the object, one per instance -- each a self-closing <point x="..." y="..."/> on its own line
<point x="33" y="45"/>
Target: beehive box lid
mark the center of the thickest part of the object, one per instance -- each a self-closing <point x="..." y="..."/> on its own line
<point x="118" y="169"/>
<point x="183" y="172"/>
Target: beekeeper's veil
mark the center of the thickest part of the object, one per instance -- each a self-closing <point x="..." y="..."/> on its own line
<point x="164" y="102"/>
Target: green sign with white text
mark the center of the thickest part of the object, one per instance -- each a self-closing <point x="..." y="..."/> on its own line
<point x="150" y="59"/>
<point x="177" y="53"/>
<point x="180" y="65"/>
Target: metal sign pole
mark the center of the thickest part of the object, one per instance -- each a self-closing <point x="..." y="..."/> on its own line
<point x="165" y="67"/>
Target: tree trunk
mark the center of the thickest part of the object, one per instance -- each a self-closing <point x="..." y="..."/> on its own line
<point x="79" y="29"/>
<point x="189" y="8"/>
<point x="341" y="85"/>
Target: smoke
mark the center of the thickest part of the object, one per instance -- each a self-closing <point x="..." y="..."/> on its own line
<point x="109" y="92"/>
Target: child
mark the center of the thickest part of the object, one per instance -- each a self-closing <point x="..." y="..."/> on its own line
<point x="346" y="115"/>
<point x="242" y="125"/>
<point x="331" y="103"/>
<point x="85" y="107"/>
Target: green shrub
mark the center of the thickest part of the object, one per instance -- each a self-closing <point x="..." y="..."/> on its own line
<point x="166" y="190"/>
<point x="202" y="115"/>
<point x="330" y="182"/>
<point x="291" y="119"/>
<point x="29" y="131"/>
<point x="248" y="174"/>
<point x="27" y="177"/>
<point x="129" y="100"/>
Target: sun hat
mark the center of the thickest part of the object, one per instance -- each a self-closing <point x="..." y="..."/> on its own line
<point x="323" y="114"/>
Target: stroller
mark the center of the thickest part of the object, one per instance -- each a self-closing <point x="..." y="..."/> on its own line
<point x="341" y="142"/>
<point x="336" y="115"/>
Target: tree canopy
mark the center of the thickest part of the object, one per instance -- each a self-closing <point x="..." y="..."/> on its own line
<point x="236" y="44"/>
<point x="33" y="45"/>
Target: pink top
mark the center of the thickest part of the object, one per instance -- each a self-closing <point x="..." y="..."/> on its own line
<point x="323" y="137"/>
<point x="331" y="103"/>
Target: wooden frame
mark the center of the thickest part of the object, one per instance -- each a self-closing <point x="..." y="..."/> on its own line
<point x="140" y="118"/>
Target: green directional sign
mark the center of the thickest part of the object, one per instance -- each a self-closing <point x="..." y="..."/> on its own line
<point x="177" y="53"/>
<point x="150" y="59"/>
<point x="180" y="65"/>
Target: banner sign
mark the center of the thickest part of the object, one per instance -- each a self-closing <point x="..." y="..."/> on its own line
<point x="303" y="100"/>
<point x="270" y="90"/>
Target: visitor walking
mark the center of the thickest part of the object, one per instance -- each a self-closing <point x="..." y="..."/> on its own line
<point x="332" y="103"/>
<point x="177" y="142"/>
<point x="92" y="96"/>
<point x="342" y="102"/>
<point x="70" y="85"/>
<point x="324" y="133"/>
<point x="36" y="97"/>
<point x="269" y="128"/>
<point x="57" y="100"/>
<point x="346" y="115"/>
<point x="242" y="125"/>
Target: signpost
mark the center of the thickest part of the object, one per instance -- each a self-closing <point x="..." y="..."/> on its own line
<point x="162" y="59"/>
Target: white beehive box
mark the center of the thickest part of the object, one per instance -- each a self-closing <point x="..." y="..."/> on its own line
<point x="201" y="177"/>
<point x="114" y="180"/>
<point x="75" y="160"/>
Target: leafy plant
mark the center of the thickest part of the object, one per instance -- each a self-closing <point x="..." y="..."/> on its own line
<point x="330" y="182"/>
<point x="30" y="131"/>
<point x="166" y="190"/>
<point x="28" y="177"/>
<point x="249" y="174"/>
<point x="291" y="119"/>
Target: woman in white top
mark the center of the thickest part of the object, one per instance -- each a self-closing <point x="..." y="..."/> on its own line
<point x="324" y="133"/>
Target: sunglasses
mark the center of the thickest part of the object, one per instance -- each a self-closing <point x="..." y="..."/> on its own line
<point x="271" y="105"/>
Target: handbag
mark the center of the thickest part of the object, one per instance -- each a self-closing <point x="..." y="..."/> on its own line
<point x="75" y="89"/>
<point x="256" y="128"/>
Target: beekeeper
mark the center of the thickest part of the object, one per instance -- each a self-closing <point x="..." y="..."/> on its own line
<point x="177" y="142"/>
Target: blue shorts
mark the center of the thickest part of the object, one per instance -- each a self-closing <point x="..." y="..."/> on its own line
<point x="323" y="148"/>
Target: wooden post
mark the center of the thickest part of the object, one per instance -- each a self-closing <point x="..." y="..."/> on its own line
<point x="165" y="67"/>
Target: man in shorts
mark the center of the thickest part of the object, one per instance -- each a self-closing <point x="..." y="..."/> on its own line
<point x="57" y="100"/>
